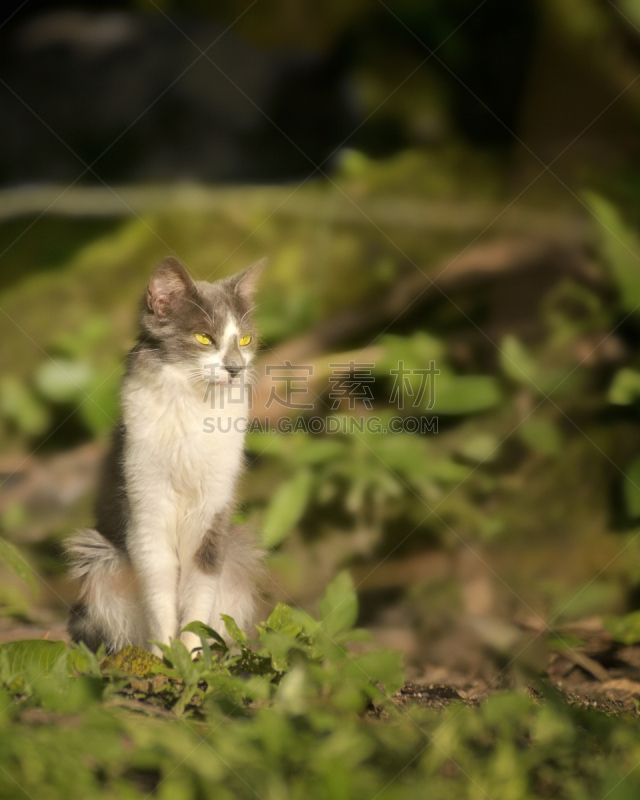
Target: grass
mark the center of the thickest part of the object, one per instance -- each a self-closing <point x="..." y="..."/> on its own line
<point x="291" y="714"/>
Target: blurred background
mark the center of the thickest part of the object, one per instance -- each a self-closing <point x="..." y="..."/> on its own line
<point x="452" y="181"/>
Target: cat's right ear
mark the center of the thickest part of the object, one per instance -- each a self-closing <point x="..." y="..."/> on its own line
<point x="169" y="285"/>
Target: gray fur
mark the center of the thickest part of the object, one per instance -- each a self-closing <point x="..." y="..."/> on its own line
<point x="189" y="307"/>
<point x="210" y="555"/>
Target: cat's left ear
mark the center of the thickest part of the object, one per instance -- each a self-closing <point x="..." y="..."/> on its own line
<point x="169" y="285"/>
<point x="244" y="283"/>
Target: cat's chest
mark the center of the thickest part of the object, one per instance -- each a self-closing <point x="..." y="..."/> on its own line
<point x="165" y="424"/>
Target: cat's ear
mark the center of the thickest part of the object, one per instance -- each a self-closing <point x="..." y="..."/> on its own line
<point x="168" y="286"/>
<point x="244" y="283"/>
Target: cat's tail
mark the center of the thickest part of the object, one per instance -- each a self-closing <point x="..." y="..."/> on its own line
<point x="242" y="571"/>
<point x="109" y="610"/>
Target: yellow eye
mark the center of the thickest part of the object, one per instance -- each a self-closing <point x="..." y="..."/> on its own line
<point x="203" y="338"/>
<point x="245" y="340"/>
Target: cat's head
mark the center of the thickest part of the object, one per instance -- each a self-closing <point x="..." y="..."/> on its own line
<point x="202" y="327"/>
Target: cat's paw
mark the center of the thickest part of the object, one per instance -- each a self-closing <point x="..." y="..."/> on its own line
<point x="192" y="642"/>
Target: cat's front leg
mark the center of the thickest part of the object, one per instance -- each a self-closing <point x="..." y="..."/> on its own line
<point x="155" y="563"/>
<point x="219" y="579"/>
<point x="199" y="592"/>
<point x="199" y="587"/>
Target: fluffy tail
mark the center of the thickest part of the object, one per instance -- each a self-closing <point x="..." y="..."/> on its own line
<point x="109" y="610"/>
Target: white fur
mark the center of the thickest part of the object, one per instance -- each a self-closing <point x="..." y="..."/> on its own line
<point x="213" y="361"/>
<point x="109" y="590"/>
<point x="178" y="477"/>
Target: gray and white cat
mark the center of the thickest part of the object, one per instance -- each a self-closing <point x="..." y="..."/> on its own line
<point x="163" y="552"/>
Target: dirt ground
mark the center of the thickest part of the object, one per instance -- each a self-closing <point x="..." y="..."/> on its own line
<point x="600" y="674"/>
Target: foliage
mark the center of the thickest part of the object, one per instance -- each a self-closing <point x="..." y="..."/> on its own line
<point x="625" y="628"/>
<point x="292" y="713"/>
<point x="534" y="467"/>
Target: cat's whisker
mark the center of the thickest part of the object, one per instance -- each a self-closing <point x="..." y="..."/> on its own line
<point x="250" y="311"/>
<point x="193" y="302"/>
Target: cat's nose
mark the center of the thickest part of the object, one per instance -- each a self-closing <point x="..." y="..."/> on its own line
<point x="232" y="369"/>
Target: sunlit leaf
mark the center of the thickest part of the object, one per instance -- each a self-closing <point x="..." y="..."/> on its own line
<point x="286" y="508"/>
<point x="518" y="364"/>
<point x="625" y="388"/>
<point x="480" y="447"/>
<point x="620" y="249"/>
<point x="63" y="380"/>
<point x="541" y="435"/>
<point x="465" y="394"/>
<point x="625" y="629"/>
<point x="100" y="409"/>
<point x="564" y="641"/>
<point x="339" y="606"/>
<point x="238" y="636"/>
<point x="382" y="667"/>
<point x="632" y="489"/>
<point x="20" y="405"/>
<point x="31" y="655"/>
<point x="19" y="565"/>
<point x="183" y="663"/>
<point x="204" y="631"/>
<point x="280" y="617"/>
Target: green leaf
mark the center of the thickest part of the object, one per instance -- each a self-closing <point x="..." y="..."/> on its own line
<point x="36" y="656"/>
<point x="101" y="407"/>
<point x="63" y="380"/>
<point x="465" y="394"/>
<point x="562" y="642"/>
<point x="84" y="661"/>
<point x="625" y="629"/>
<point x="238" y="636"/>
<point x="596" y="598"/>
<point x="541" y="435"/>
<point x="415" y="352"/>
<point x="278" y="645"/>
<point x="632" y="489"/>
<point x="321" y="452"/>
<point x="286" y="508"/>
<point x="20" y="405"/>
<point x="205" y="632"/>
<point x="20" y="567"/>
<point x="295" y="692"/>
<point x="517" y="363"/>
<point x="625" y="388"/>
<point x="279" y="617"/>
<point x="339" y="606"/>
<point x="480" y="447"/>
<point x="620" y="249"/>
<point x="383" y="667"/>
<point x="83" y="341"/>
<point x="183" y="663"/>
<point x="281" y="621"/>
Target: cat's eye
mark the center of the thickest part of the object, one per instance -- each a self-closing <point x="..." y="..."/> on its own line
<point x="203" y="338"/>
<point x="245" y="340"/>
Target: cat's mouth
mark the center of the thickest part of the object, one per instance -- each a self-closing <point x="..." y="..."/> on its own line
<point x="222" y="374"/>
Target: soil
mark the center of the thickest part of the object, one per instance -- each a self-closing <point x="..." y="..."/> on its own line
<point x="599" y="675"/>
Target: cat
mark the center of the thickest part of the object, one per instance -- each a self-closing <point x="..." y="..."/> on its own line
<point x="164" y="552"/>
